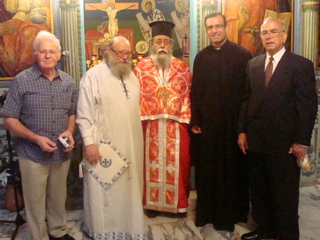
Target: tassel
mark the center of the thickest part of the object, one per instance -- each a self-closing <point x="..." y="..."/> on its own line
<point x="130" y="172"/>
<point x="80" y="171"/>
<point x="106" y="203"/>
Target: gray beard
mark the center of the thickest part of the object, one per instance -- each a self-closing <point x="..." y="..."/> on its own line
<point x="162" y="60"/>
<point x="119" y="70"/>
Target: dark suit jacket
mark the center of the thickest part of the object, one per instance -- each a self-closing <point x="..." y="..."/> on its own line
<point x="284" y="112"/>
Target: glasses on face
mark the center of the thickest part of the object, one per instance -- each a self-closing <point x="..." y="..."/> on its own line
<point x="121" y="54"/>
<point x="165" y="42"/>
<point x="45" y="52"/>
<point x="218" y="26"/>
<point x="271" y="33"/>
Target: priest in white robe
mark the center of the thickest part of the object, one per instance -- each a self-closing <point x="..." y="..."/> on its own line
<point x="109" y="122"/>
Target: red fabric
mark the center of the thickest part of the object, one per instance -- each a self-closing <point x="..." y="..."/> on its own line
<point x="183" y="177"/>
<point x="165" y="111"/>
<point x="17" y="47"/>
<point x="153" y="103"/>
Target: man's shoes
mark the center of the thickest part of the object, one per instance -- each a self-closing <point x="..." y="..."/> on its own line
<point x="182" y="215"/>
<point x="250" y="236"/>
<point x="227" y="227"/>
<point x="64" y="237"/>
<point x="254" y="236"/>
<point x="151" y="213"/>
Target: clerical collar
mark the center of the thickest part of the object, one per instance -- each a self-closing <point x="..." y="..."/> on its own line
<point x="221" y="46"/>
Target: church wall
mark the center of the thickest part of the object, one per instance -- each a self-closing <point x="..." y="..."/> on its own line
<point x="87" y="18"/>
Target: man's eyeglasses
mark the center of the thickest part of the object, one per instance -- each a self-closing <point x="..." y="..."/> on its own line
<point x="122" y="54"/>
<point x="45" y="52"/>
<point x="165" y="42"/>
<point x="272" y="33"/>
<point x="218" y="26"/>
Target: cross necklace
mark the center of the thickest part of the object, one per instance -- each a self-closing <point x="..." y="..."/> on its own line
<point x="163" y="81"/>
<point x="124" y="87"/>
<point x="123" y="84"/>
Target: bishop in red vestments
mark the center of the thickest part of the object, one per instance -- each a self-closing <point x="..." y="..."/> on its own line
<point x="165" y="83"/>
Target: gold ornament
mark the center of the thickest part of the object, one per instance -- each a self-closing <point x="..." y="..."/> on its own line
<point x="142" y="47"/>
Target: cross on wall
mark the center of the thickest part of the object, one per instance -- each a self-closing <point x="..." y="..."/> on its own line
<point x="116" y="5"/>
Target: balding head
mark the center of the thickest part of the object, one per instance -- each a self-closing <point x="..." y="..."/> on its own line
<point x="119" y="41"/>
<point x="118" y="56"/>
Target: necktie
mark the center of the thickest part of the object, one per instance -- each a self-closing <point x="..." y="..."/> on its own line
<point x="268" y="71"/>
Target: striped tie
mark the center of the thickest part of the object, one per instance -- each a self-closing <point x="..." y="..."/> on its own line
<point x="268" y="72"/>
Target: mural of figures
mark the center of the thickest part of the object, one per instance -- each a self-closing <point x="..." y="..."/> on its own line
<point x="113" y="21"/>
<point x="153" y="14"/>
<point x="100" y="32"/>
<point x="132" y="21"/>
<point x="20" y="21"/>
<point x="245" y="17"/>
<point x="318" y="66"/>
<point x="182" y="28"/>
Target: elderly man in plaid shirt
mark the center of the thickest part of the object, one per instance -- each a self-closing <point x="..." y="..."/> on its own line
<point x="40" y="108"/>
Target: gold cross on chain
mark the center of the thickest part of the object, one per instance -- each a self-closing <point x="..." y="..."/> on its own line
<point x="164" y="95"/>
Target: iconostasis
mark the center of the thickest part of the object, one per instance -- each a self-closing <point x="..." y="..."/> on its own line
<point x="86" y="26"/>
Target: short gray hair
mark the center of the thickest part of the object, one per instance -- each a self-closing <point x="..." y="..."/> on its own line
<point x="45" y="35"/>
<point x="283" y="27"/>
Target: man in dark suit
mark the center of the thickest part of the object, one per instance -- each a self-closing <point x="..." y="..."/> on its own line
<point x="276" y="121"/>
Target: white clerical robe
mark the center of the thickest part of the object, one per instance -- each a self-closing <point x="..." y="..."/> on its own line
<point x="107" y="108"/>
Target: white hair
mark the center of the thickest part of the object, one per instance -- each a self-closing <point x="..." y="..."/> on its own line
<point x="283" y="28"/>
<point x="45" y="35"/>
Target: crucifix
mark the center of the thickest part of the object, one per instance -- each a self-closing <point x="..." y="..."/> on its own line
<point x="164" y="95"/>
<point x="91" y="6"/>
<point x="163" y="80"/>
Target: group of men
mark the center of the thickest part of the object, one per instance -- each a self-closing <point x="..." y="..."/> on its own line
<point x="267" y="105"/>
<point x="248" y="121"/>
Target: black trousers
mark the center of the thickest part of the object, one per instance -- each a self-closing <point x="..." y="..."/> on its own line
<point x="274" y="190"/>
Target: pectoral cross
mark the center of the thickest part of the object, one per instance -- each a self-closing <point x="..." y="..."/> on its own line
<point x="164" y="95"/>
<point x="124" y="87"/>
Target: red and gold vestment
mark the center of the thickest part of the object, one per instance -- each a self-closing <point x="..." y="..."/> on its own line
<point x="165" y="115"/>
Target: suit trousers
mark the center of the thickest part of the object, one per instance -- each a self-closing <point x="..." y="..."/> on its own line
<point x="44" y="192"/>
<point x="274" y="189"/>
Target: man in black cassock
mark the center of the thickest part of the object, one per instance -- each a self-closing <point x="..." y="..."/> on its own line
<point x="221" y="177"/>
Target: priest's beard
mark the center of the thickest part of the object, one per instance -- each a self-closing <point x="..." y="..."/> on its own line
<point x="162" y="60"/>
<point x="120" y="68"/>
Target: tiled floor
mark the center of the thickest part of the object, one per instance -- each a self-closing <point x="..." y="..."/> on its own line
<point x="164" y="228"/>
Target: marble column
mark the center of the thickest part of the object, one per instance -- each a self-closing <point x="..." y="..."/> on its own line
<point x="70" y="38"/>
<point x="309" y="50"/>
<point x="309" y="32"/>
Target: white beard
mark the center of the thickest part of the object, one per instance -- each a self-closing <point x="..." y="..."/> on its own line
<point x="119" y="70"/>
<point x="162" y="60"/>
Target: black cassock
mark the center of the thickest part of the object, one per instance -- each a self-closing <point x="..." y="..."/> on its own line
<point x="221" y="177"/>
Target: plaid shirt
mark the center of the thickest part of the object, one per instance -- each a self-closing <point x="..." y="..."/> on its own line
<point x="42" y="107"/>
